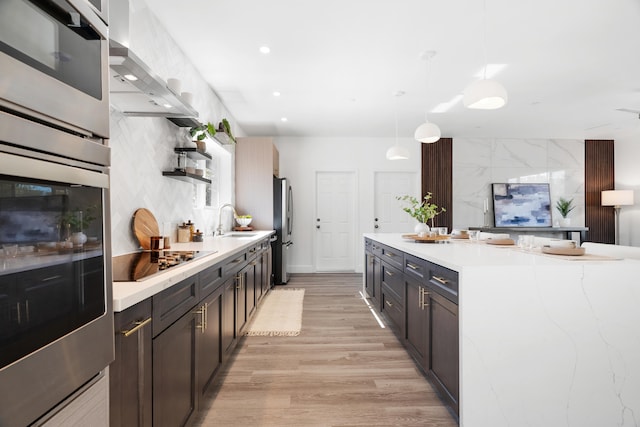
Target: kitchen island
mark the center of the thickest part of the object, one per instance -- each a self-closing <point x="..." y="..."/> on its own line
<point x="543" y="340"/>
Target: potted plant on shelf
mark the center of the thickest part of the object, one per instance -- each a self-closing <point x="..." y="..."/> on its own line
<point x="225" y="127"/>
<point x="421" y="210"/>
<point x="564" y="206"/>
<point x="199" y="133"/>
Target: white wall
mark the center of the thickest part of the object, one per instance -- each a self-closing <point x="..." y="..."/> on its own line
<point x="476" y="164"/>
<point x="301" y="158"/>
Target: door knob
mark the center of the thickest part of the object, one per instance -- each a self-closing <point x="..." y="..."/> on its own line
<point x="318" y="227"/>
<point x="318" y="219"/>
<point x="376" y="219"/>
<point x="376" y="226"/>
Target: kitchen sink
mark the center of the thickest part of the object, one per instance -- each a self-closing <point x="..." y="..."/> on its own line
<point x="240" y="235"/>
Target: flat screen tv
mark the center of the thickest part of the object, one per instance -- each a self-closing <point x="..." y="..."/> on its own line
<point x="521" y="205"/>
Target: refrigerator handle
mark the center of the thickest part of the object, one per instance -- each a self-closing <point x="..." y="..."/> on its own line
<point x="290" y="208"/>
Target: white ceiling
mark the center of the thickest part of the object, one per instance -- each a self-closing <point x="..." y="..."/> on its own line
<point x="570" y="64"/>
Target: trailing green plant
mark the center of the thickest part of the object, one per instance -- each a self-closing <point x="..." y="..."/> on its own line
<point x="225" y="127"/>
<point x="564" y="206"/>
<point x="202" y="131"/>
<point x="421" y="210"/>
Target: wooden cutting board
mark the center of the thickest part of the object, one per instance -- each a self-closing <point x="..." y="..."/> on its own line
<point x="144" y="226"/>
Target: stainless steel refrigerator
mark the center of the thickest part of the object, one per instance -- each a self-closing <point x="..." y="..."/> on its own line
<point x="283" y="224"/>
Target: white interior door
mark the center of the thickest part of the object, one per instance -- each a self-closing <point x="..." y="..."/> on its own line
<point x="388" y="216"/>
<point x="335" y="221"/>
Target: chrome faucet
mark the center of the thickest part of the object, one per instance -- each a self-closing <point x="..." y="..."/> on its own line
<point x="226" y="205"/>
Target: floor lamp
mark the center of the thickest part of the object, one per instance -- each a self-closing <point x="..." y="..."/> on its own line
<point x="617" y="199"/>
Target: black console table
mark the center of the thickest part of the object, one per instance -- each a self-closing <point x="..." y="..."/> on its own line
<point x="568" y="231"/>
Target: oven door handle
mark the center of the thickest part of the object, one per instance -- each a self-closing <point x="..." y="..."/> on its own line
<point x="39" y="169"/>
<point x="88" y="14"/>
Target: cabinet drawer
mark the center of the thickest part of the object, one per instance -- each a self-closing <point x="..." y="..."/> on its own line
<point x="253" y="251"/>
<point x="210" y="279"/>
<point x="170" y="304"/>
<point x="393" y="280"/>
<point x="443" y="281"/>
<point x="392" y="256"/>
<point x="415" y="267"/>
<point x="393" y="308"/>
<point x="235" y="264"/>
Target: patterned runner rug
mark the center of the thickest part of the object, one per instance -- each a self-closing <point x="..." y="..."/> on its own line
<point x="279" y="315"/>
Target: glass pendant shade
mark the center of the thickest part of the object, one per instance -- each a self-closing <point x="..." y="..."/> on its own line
<point x="397" y="153"/>
<point x="427" y="132"/>
<point x="485" y="94"/>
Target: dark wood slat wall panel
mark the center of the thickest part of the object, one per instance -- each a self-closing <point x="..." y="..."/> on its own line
<point x="598" y="176"/>
<point x="437" y="178"/>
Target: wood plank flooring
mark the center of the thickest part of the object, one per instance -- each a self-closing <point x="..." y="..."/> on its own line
<point x="342" y="370"/>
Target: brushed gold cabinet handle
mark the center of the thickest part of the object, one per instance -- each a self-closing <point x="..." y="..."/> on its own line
<point x="440" y="280"/>
<point x="388" y="273"/>
<point x="424" y="294"/>
<point x="138" y="325"/>
<point x="388" y="303"/>
<point x="412" y="266"/>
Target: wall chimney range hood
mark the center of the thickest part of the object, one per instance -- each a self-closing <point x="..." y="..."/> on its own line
<point x="135" y="90"/>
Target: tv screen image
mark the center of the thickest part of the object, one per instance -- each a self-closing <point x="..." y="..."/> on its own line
<point x="521" y="205"/>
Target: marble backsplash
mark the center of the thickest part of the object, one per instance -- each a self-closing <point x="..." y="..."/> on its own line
<point x="477" y="163"/>
<point x="142" y="147"/>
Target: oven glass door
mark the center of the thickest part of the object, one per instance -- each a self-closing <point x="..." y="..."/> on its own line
<point x="52" y="275"/>
<point x="52" y="37"/>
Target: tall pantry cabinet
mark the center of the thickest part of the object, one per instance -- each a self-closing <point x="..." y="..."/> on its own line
<point x="257" y="162"/>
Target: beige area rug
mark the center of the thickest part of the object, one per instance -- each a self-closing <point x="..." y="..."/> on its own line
<point x="279" y="315"/>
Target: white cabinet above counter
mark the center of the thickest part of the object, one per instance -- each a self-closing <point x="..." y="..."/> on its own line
<point x="213" y="250"/>
<point x="542" y="340"/>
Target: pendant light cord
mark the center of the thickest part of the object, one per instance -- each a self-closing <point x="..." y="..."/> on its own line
<point x="395" y="109"/>
<point x="484" y="37"/>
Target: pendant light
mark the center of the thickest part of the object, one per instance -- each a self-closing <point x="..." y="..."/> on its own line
<point x="397" y="152"/>
<point x="427" y="132"/>
<point x="485" y="94"/>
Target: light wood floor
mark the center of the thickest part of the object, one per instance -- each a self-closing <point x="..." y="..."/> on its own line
<point x="342" y="370"/>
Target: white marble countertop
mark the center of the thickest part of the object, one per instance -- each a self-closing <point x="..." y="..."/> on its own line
<point x="460" y="254"/>
<point x="127" y="294"/>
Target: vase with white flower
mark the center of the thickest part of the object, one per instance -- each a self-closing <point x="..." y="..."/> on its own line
<point x="421" y="210"/>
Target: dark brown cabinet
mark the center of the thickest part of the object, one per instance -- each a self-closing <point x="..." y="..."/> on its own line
<point x="130" y="375"/>
<point x="209" y="338"/>
<point x="393" y="297"/>
<point x="175" y="354"/>
<point x="420" y="301"/>
<point x="174" y="373"/>
<point x="228" y="318"/>
<point x="442" y="301"/>
<point x="163" y="367"/>
<point x="417" y="327"/>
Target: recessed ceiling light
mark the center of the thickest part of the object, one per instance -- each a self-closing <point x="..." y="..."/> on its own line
<point x="265" y="49"/>
<point x="167" y="105"/>
<point x="284" y="119"/>
<point x="130" y="77"/>
<point x="276" y="93"/>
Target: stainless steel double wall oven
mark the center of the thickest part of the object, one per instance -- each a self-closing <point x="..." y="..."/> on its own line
<point x="56" y="317"/>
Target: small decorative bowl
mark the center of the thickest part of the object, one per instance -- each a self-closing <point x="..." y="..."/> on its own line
<point x="243" y="222"/>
